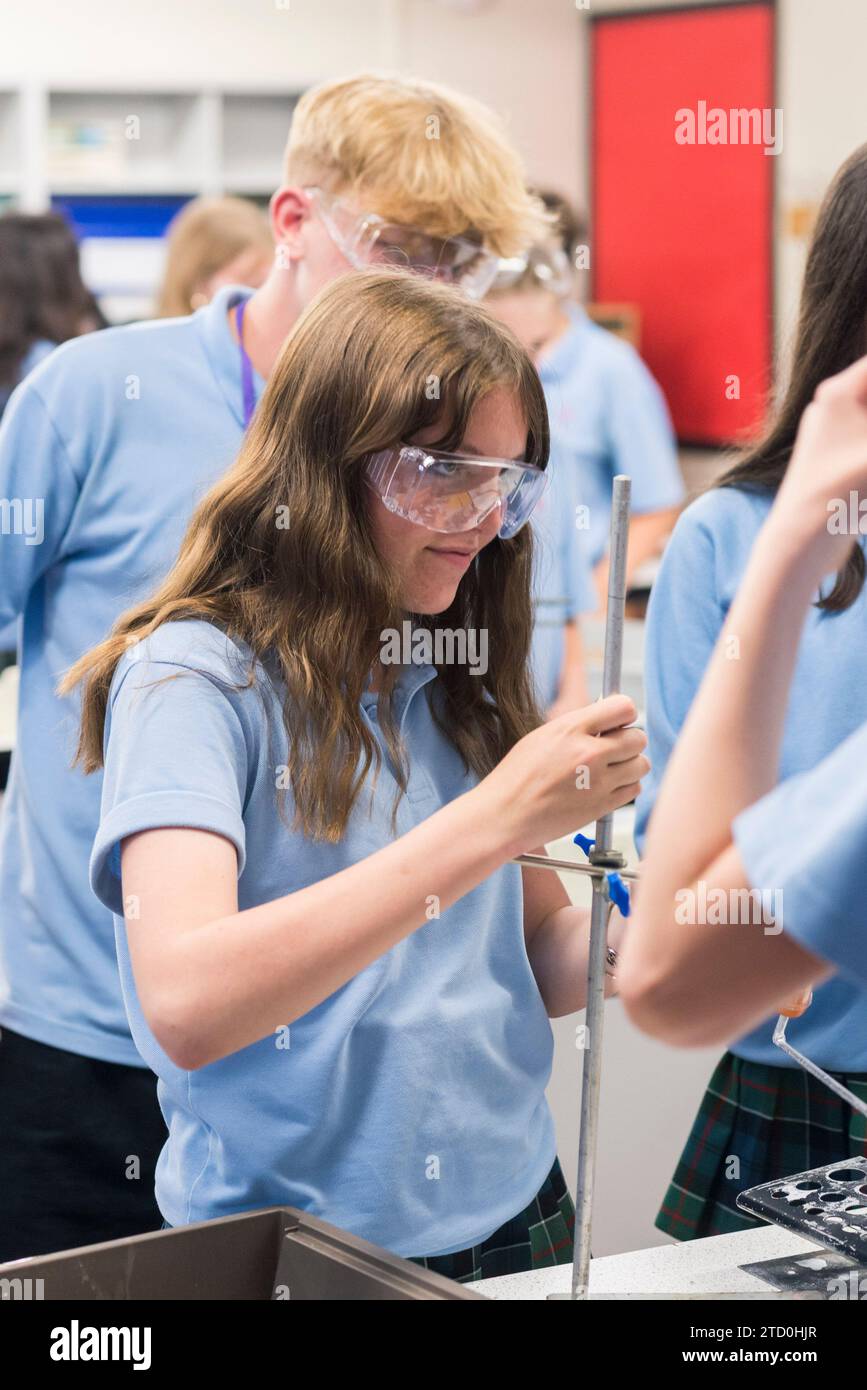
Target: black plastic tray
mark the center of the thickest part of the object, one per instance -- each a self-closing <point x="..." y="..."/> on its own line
<point x="828" y="1205"/>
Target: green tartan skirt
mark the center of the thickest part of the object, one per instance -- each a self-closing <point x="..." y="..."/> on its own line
<point x="756" y="1123"/>
<point x="540" y="1235"/>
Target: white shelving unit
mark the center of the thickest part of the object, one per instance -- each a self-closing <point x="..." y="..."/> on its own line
<point x="135" y="142"/>
<point x="107" y="144"/>
<point x="254" y="133"/>
<point x="75" y="141"/>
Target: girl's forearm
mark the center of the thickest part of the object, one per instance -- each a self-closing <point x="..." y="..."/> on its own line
<point x="728" y="754"/>
<point x="558" y="957"/>
<point x="239" y="978"/>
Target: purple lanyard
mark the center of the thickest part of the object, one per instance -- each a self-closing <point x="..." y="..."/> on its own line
<point x="248" y="389"/>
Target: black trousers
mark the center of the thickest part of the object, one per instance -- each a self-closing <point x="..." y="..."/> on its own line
<point x="79" y="1141"/>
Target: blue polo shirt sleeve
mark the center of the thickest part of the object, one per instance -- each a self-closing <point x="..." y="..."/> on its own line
<point x="640" y="436"/>
<point x="39" y="492"/>
<point x="175" y="755"/>
<point x="807" y="840"/>
<point x="684" y="618"/>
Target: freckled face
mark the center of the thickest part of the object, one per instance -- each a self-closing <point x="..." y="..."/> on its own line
<point x="431" y="564"/>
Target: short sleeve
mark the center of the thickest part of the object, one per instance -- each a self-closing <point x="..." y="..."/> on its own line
<point x="641" y="439"/>
<point x="806" y="841"/>
<point x="175" y="755"/>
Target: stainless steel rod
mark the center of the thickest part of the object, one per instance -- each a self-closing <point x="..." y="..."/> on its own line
<point x="592" y="1069"/>
<point x="836" y="1086"/>
<point x="568" y="866"/>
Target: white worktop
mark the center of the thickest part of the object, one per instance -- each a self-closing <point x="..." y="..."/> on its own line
<point x="697" y="1266"/>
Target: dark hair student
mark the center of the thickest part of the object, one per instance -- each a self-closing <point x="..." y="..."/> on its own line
<point x="43" y="299"/>
<point x="831" y="335"/>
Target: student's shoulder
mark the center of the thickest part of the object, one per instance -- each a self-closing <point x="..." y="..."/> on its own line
<point x="705" y="557"/>
<point x="107" y="351"/>
<point x="728" y="518"/>
<point x="190" y="645"/>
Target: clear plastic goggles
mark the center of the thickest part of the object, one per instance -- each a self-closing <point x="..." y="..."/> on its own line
<point x="548" y="265"/>
<point x="450" y="492"/>
<point x="367" y="239"/>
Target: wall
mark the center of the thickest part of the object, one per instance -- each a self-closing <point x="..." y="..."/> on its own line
<point x="525" y="58"/>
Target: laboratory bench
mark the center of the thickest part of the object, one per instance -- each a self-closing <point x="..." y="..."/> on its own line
<point x="710" y="1267"/>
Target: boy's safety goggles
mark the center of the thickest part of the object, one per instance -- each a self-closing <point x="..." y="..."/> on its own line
<point x="367" y="239"/>
<point x="450" y="492"/>
<point x="548" y="266"/>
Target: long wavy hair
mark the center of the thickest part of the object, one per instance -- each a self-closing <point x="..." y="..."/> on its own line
<point x="280" y="553"/>
<point x="831" y="335"/>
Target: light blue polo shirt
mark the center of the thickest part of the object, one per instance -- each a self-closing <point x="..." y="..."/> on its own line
<point x="563" y="585"/>
<point x="409" y="1106"/>
<point x="105" y="449"/>
<point x="700" y="574"/>
<point x="808" y="838"/>
<point x="608" y="416"/>
<point x="35" y="354"/>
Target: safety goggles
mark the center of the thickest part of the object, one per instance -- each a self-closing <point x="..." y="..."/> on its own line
<point x="450" y="492"/>
<point x="548" y="265"/>
<point x="367" y="239"/>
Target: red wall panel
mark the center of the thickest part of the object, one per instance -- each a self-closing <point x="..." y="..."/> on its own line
<point x="684" y="230"/>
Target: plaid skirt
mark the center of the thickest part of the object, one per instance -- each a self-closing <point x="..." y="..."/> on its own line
<point x="540" y="1235"/>
<point x="756" y="1123"/>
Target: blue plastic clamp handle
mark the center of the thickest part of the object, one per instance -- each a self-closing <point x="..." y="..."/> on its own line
<point x="584" y="843"/>
<point x="618" y="893"/>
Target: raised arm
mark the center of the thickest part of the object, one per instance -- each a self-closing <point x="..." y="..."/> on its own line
<point x="705" y="981"/>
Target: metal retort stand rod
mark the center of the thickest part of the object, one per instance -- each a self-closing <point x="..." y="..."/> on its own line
<point x="603" y="856"/>
<point x="603" y="859"/>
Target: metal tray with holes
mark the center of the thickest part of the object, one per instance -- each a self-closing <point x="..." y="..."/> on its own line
<point x="828" y="1205"/>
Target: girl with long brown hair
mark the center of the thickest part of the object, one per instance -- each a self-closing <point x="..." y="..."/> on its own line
<point x="761" y="1115"/>
<point x="340" y="979"/>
